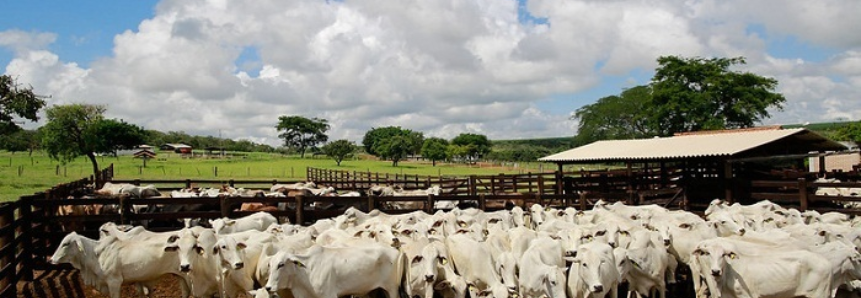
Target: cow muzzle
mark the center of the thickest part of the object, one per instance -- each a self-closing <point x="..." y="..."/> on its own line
<point x="716" y="272"/>
<point x="429" y="278"/>
<point x="185" y="268"/>
<point x="238" y="266"/>
<point x="597" y="288"/>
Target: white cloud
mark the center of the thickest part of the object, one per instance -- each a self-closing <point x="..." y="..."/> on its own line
<point x="441" y="67"/>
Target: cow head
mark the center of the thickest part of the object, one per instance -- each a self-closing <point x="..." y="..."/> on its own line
<point x="230" y="252"/>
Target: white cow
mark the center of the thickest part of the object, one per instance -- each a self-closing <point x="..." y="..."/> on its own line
<point x="332" y="272"/>
<point x="761" y="271"/>
<point x="134" y="261"/>
<point x="238" y="260"/>
<point x="473" y="262"/>
<point x="258" y="221"/>
<point x="197" y="261"/>
<point x="594" y="272"/>
<point x="542" y="270"/>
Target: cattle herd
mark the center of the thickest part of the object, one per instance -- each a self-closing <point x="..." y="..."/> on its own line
<point x="759" y="250"/>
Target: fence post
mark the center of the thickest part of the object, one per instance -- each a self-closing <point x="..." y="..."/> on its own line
<point x="802" y="194"/>
<point x="472" y="187"/>
<point x="482" y="202"/>
<point x="231" y="183"/>
<point x="125" y="208"/>
<point x="300" y="209"/>
<point x="429" y="204"/>
<point x="372" y="202"/>
<point x="6" y="219"/>
<point x="558" y="182"/>
<point x="26" y="230"/>
<point x="224" y="202"/>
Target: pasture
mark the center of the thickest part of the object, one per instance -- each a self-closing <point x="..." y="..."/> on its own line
<point x="22" y="174"/>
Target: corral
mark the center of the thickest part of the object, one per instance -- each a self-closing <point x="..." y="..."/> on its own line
<point x="31" y="228"/>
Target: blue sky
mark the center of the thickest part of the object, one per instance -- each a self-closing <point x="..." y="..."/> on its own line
<point x="509" y="69"/>
<point x="85" y="30"/>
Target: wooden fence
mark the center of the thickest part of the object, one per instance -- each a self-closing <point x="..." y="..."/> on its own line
<point x="531" y="183"/>
<point x="31" y="229"/>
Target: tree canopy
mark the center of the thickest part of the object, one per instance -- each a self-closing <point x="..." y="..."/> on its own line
<point x="477" y="145"/>
<point x="301" y="133"/>
<point x="691" y="94"/>
<point x="623" y="116"/>
<point x="79" y="129"/>
<point x="374" y="137"/>
<point x="394" y="148"/>
<point x="435" y="149"/>
<point x="16" y="102"/>
<point x="686" y="94"/>
<point x="338" y="150"/>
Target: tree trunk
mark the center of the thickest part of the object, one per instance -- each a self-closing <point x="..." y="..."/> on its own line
<point x="433" y="162"/>
<point x="98" y="179"/>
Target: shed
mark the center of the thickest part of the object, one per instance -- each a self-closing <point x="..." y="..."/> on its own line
<point x="145" y="153"/>
<point x="706" y="165"/>
<point x="178" y="148"/>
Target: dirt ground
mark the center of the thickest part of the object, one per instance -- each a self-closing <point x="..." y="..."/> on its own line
<point x="67" y="284"/>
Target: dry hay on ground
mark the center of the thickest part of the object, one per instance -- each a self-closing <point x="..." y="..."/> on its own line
<point x="67" y="284"/>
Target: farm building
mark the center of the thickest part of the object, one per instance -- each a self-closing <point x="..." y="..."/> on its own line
<point x="694" y="167"/>
<point x="178" y="148"/>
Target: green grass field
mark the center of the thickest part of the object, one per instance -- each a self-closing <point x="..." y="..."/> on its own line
<point x="22" y="174"/>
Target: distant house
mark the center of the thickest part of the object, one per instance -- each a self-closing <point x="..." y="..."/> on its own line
<point x="178" y="148"/>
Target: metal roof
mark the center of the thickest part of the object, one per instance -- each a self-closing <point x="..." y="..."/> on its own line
<point x="723" y="143"/>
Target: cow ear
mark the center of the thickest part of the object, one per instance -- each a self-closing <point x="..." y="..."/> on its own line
<point x="822" y="233"/>
<point x="79" y="244"/>
<point x="171" y="248"/>
<point x="230" y="222"/>
<point x="241" y="245"/>
<point x="358" y="234"/>
<point x="172" y="239"/>
<point x="215" y="250"/>
<point x="198" y="249"/>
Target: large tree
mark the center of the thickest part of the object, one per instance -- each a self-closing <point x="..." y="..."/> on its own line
<point x="338" y="150"/>
<point x="394" y="148"/>
<point x="16" y="101"/>
<point x="435" y="149"/>
<point x="478" y="145"/>
<point x="623" y="116"/>
<point x="375" y="136"/>
<point x="301" y="133"/>
<point x="79" y="129"/>
<point x="691" y="94"/>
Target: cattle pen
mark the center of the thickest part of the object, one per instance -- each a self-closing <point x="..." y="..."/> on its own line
<point x="31" y="228"/>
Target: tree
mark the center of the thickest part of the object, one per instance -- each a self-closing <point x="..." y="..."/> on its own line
<point x="78" y="129"/>
<point x="300" y="132"/>
<point x="22" y="140"/>
<point x="339" y="150"/>
<point x="624" y="116"/>
<point x="851" y="132"/>
<point x="376" y="136"/>
<point x="16" y="102"/>
<point x="394" y="148"/>
<point x="434" y="149"/>
<point x="480" y="145"/>
<point x="691" y="94"/>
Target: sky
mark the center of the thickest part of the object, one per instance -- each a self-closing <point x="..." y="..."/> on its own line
<point x="508" y="69"/>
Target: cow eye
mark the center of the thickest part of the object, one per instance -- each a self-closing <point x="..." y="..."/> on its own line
<point x="600" y="233"/>
<point x="584" y="265"/>
<point x="443" y="260"/>
<point x="684" y="226"/>
<point x="280" y="265"/>
<point x="417" y="259"/>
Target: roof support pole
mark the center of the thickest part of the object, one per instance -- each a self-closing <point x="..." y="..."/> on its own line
<point x="822" y="164"/>
<point x="630" y="174"/>
<point x="729" y="182"/>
